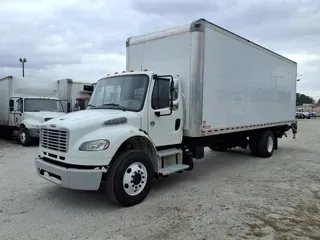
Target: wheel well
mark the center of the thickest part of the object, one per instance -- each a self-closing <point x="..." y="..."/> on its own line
<point x="139" y="143"/>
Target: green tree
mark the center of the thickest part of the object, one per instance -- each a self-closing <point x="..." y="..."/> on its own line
<point x="304" y="99"/>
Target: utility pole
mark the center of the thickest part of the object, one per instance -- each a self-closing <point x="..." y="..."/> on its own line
<point x="23" y="61"/>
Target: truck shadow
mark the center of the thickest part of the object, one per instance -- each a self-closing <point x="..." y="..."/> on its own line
<point x="212" y="164"/>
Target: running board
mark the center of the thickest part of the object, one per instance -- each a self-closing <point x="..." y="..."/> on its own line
<point x="172" y="169"/>
<point x="168" y="152"/>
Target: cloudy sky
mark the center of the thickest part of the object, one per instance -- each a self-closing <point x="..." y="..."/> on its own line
<point x="85" y="39"/>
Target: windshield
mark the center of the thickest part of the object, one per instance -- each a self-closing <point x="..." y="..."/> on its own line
<point x="37" y="105"/>
<point x="126" y="92"/>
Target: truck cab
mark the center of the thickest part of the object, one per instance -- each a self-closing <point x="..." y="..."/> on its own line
<point x="126" y="112"/>
<point x="28" y="113"/>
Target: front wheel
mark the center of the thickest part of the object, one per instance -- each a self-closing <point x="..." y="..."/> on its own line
<point x="24" y="137"/>
<point x="129" y="178"/>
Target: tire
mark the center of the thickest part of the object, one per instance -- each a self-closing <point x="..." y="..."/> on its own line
<point x="129" y="178"/>
<point x="303" y="116"/>
<point x="24" y="137"/>
<point x="266" y="144"/>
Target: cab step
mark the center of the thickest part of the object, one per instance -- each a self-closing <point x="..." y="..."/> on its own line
<point x="169" y="152"/>
<point x="172" y="169"/>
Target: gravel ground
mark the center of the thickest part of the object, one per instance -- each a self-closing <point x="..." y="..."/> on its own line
<point x="227" y="196"/>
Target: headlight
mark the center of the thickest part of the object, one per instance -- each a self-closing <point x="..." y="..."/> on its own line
<point x="95" y="145"/>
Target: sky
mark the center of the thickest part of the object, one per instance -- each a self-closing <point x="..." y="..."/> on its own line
<point x="85" y="39"/>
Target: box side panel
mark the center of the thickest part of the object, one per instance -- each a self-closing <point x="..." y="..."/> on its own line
<point x="4" y="101"/>
<point x="33" y="87"/>
<point x="244" y="85"/>
<point x="77" y="91"/>
<point x="168" y="55"/>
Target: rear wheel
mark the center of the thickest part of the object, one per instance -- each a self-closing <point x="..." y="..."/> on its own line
<point x="266" y="144"/>
<point x="129" y="178"/>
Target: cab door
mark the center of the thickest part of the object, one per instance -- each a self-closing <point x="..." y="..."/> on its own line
<point x="165" y="123"/>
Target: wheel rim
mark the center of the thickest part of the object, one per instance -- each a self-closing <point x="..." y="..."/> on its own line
<point x="270" y="144"/>
<point x="23" y="137"/>
<point x="135" y="179"/>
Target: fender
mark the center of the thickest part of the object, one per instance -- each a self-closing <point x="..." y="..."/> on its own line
<point x="116" y="135"/>
<point x="30" y="123"/>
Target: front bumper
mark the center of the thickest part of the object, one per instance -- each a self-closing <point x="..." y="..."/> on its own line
<point x="73" y="178"/>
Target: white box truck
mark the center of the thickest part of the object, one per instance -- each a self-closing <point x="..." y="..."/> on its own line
<point x="200" y="86"/>
<point x="24" y="104"/>
<point x="74" y="95"/>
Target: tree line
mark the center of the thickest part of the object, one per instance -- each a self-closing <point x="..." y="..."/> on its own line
<point x="305" y="99"/>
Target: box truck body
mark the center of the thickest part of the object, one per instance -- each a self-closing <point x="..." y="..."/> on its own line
<point x="184" y="89"/>
<point x="32" y="100"/>
<point x="74" y="95"/>
<point x="229" y="83"/>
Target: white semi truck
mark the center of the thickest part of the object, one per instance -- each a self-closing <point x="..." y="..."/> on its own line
<point x="74" y="95"/>
<point x="24" y="104"/>
<point x="200" y="86"/>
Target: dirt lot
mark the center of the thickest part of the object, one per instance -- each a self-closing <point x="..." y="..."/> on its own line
<point x="228" y="196"/>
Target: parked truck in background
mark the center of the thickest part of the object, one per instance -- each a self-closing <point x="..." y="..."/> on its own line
<point x="74" y="95"/>
<point x="24" y="104"/>
<point x="201" y="86"/>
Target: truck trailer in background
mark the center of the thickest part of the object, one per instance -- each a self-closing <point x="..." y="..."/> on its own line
<point x="74" y="95"/>
<point x="201" y="86"/>
<point x="25" y="103"/>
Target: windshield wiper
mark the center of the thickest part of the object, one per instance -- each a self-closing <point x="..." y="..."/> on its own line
<point x="114" y="105"/>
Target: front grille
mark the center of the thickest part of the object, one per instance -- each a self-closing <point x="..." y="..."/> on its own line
<point x="53" y="139"/>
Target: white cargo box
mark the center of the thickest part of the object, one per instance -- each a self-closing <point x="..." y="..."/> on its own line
<point x="69" y="90"/>
<point x="229" y="83"/>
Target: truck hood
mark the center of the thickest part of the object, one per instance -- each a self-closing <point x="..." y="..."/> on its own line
<point x="41" y="116"/>
<point x="91" y="119"/>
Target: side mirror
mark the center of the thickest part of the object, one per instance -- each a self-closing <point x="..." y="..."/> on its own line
<point x="171" y="90"/>
<point x="68" y="107"/>
<point x="76" y="106"/>
<point x="11" y="103"/>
